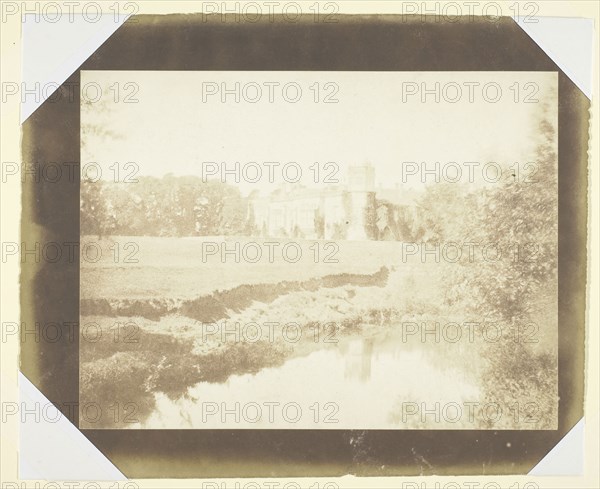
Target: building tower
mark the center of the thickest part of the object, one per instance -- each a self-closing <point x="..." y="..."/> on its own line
<point x="361" y="192"/>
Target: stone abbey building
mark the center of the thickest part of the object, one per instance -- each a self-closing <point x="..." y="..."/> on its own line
<point x="335" y="212"/>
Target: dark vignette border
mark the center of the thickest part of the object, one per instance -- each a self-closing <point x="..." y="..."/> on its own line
<point x="50" y="292"/>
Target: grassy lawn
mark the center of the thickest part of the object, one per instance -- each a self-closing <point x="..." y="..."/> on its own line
<point x="175" y="268"/>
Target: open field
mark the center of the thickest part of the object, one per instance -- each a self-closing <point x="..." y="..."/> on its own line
<point x="186" y="272"/>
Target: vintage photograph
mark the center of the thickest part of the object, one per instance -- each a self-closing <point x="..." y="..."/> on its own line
<point x="319" y="250"/>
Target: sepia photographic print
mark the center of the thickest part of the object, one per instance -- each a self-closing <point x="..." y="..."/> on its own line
<point x="330" y="242"/>
<point x="319" y="250"/>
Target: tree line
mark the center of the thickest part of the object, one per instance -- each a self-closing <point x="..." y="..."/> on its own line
<point x="167" y="206"/>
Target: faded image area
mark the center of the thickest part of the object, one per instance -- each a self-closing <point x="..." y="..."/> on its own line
<point x="319" y="250"/>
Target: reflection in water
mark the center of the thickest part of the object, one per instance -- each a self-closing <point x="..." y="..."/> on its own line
<point x="358" y="355"/>
<point x="357" y="383"/>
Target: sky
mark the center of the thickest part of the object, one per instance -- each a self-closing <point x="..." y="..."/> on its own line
<point x="180" y="122"/>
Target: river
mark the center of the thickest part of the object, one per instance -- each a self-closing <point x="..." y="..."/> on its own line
<point x="376" y="382"/>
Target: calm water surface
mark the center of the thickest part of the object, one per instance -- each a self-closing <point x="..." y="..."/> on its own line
<point x="366" y="383"/>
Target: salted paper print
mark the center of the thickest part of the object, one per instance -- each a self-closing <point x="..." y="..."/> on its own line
<point x="319" y="250"/>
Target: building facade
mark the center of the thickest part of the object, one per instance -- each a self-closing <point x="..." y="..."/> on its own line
<point x="336" y="212"/>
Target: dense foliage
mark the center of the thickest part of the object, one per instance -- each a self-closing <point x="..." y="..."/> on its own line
<point x="168" y="206"/>
<point x="515" y="285"/>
